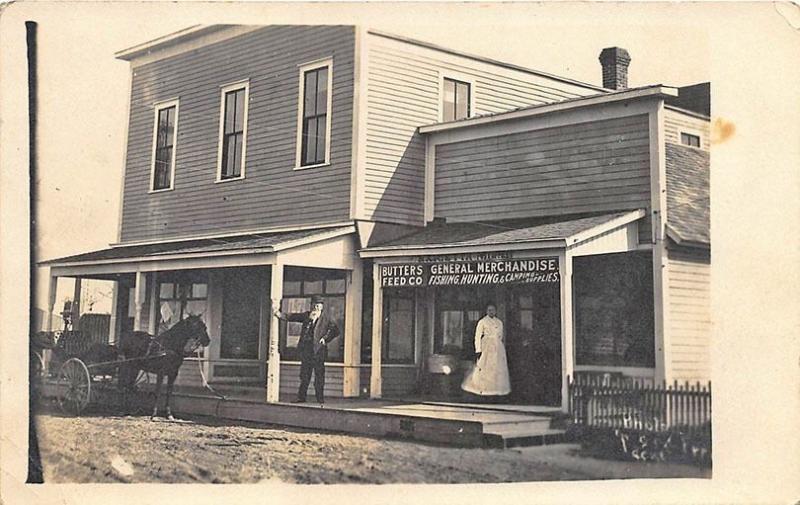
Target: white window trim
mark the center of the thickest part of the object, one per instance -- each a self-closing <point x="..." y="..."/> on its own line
<point x="158" y="107"/>
<point x="689" y="131"/>
<point x="303" y="68"/>
<point x="234" y="86"/>
<point x="458" y="77"/>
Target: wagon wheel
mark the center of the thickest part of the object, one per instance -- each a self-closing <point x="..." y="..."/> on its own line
<point x="37" y="365"/>
<point x="76" y="383"/>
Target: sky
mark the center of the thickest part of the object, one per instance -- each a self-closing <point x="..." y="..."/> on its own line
<point x="83" y="88"/>
<point x="747" y="50"/>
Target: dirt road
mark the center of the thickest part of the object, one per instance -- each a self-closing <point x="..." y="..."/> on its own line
<point x="112" y="448"/>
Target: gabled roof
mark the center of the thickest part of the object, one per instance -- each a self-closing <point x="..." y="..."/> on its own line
<point x="563" y="230"/>
<point x="242" y="244"/>
<point x="688" y="202"/>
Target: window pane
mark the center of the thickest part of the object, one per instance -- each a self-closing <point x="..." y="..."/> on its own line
<point x="335" y="286"/>
<point x="296" y="305"/>
<point x="228" y="156"/>
<point x="291" y="287"/>
<point x="401" y="335"/>
<point x="452" y="327"/>
<point x="167" y="290"/>
<point x="312" y="287"/>
<point x="321" y="134"/>
<point x="334" y="308"/>
<point x="462" y="100"/>
<point x="237" y="158"/>
<point x="309" y="141"/>
<point x="526" y="320"/>
<point x="239" y="119"/>
<point x="170" y="136"/>
<point x="199" y="290"/>
<point x="230" y="111"/>
<point x="448" y="100"/>
<point x="310" y="92"/>
<point x="161" y="140"/>
<point x="322" y="91"/>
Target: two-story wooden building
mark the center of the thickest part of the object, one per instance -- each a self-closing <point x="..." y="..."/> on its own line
<point x="409" y="185"/>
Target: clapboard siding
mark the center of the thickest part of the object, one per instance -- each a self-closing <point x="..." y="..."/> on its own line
<point x="396" y="381"/>
<point x="271" y="190"/>
<point x="689" y="315"/>
<point x="403" y="82"/>
<point x="290" y="381"/>
<point x="188" y="374"/>
<point x="676" y="122"/>
<point x="590" y="167"/>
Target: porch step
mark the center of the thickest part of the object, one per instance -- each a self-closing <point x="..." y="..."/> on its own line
<point x="522" y="422"/>
<point x="522" y="436"/>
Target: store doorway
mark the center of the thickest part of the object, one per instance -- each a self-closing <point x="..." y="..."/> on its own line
<point x="533" y="342"/>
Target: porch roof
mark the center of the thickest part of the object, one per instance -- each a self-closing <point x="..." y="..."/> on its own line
<point x="240" y="244"/>
<point x="548" y="232"/>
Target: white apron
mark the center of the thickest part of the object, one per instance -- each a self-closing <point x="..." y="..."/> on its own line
<point x="489" y="376"/>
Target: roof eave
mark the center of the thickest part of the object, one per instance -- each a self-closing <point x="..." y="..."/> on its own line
<point x="652" y="92"/>
<point x="681" y="241"/>
<point x="169" y="40"/>
<point x="429" y="250"/>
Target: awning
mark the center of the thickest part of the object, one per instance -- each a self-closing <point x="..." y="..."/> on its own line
<point x="199" y="253"/>
<point x="452" y="238"/>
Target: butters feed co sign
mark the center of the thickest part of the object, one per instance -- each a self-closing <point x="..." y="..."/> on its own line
<point x="468" y="273"/>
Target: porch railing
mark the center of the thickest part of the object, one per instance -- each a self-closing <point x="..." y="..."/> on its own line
<point x="597" y="402"/>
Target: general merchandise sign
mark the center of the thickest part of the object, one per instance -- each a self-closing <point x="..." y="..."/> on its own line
<point x="469" y="273"/>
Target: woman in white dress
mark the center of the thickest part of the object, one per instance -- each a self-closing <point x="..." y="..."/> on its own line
<point x="489" y="377"/>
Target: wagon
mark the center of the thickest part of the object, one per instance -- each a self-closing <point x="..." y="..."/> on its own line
<point x="82" y="367"/>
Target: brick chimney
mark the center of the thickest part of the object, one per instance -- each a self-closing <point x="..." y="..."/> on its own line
<point x="615" y="61"/>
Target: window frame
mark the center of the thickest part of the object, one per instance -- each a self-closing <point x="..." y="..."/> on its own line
<point x="224" y="90"/>
<point x="157" y="108"/>
<point x="303" y="68"/>
<point x="311" y="274"/>
<point x="690" y="133"/>
<point x="464" y="79"/>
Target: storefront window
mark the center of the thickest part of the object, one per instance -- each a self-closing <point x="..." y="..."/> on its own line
<point x="398" y="331"/>
<point x="299" y="285"/>
<point x="614" y="309"/>
<point x="180" y="298"/>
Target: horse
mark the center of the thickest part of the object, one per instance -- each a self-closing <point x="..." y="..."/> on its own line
<point x="162" y="355"/>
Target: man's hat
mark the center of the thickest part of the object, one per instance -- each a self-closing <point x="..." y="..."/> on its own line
<point x="317" y="299"/>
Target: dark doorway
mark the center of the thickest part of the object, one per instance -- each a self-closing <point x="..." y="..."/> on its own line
<point x="242" y="299"/>
<point x="533" y="342"/>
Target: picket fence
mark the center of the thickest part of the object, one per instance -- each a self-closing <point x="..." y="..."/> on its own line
<point x="597" y="402"/>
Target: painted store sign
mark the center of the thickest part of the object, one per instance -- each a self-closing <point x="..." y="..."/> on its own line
<point x="467" y="273"/>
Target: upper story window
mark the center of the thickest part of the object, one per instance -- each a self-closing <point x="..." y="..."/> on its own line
<point x="314" y="114"/>
<point x="688" y="139"/>
<point x="164" y="139"/>
<point x="456" y="99"/>
<point x="233" y="131"/>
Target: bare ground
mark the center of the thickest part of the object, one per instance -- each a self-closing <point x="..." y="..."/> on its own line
<point x="105" y="447"/>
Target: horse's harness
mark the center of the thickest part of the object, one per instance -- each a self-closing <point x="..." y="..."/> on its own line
<point x="157" y="349"/>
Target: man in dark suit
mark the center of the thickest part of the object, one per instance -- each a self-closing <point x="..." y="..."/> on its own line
<point x="317" y="332"/>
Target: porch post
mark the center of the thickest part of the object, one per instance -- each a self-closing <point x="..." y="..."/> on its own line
<point x="375" y="381"/>
<point x="51" y="302"/>
<point x="75" y="309"/>
<point x="138" y="300"/>
<point x="112" y="324"/>
<point x="352" y="330"/>
<point x="274" y="359"/>
<point x="567" y="331"/>
<point x="152" y="321"/>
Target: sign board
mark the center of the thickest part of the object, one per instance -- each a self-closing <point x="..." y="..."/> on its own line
<point x="470" y="273"/>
